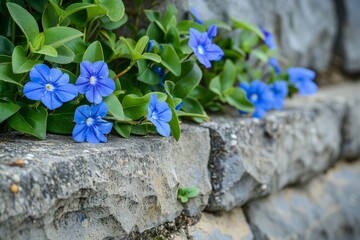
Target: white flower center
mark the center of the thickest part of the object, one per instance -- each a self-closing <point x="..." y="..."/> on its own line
<point x="254" y="97"/>
<point x="92" y="80"/>
<point x="49" y="87"/>
<point x="201" y="49"/>
<point x="154" y="116"/>
<point x="89" y="121"/>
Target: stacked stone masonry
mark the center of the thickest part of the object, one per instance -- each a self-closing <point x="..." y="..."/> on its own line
<point x="67" y="190"/>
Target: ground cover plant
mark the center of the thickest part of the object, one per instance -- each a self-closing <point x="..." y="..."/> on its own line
<point x="65" y="69"/>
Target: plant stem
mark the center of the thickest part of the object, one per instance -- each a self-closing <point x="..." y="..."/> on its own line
<point x="125" y="70"/>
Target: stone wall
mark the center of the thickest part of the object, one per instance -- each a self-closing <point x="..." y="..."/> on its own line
<point x="127" y="188"/>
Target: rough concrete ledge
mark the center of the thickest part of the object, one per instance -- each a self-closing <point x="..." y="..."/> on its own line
<point x="326" y="208"/>
<point x="251" y="158"/>
<point x="82" y="191"/>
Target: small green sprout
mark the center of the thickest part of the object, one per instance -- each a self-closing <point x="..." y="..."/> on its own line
<point x="187" y="192"/>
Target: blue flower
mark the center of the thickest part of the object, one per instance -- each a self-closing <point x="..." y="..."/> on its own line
<point x="50" y="86"/>
<point x="179" y="106"/>
<point x="150" y="46"/>
<point x="90" y="126"/>
<point x="161" y="73"/>
<point x="159" y="114"/>
<point x="280" y="91"/>
<point x="195" y="13"/>
<point x="269" y="39"/>
<point x="203" y="48"/>
<point x="94" y="81"/>
<point x="303" y="79"/>
<point x="273" y="62"/>
<point x="260" y="95"/>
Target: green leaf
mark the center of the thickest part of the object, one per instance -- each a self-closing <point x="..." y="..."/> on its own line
<point x="123" y="129"/>
<point x="76" y="7"/>
<point x="109" y="25"/>
<point x="61" y="121"/>
<point x="38" y="42"/>
<point x="20" y="63"/>
<point x="24" y="20"/>
<point x="152" y="15"/>
<point x="115" y="108"/>
<point x="57" y="36"/>
<point x="170" y="59"/>
<point x="169" y="18"/>
<point x="65" y="55"/>
<point x="7" y="109"/>
<point x="141" y="44"/>
<point x="191" y="105"/>
<point x="225" y="80"/>
<point x="38" y="5"/>
<point x="136" y="107"/>
<point x="260" y="55"/>
<point x="169" y="87"/>
<point x="172" y="37"/>
<point x="146" y="75"/>
<point x="187" y="192"/>
<point x="49" y="17"/>
<point x="190" y="77"/>
<point x="184" y="26"/>
<point x="94" y="52"/>
<point x="174" y="124"/>
<point x="7" y="75"/>
<point x="6" y="46"/>
<point x="151" y="56"/>
<point x="78" y="47"/>
<point x="248" y="27"/>
<point x="48" y="50"/>
<point x="30" y="120"/>
<point x="115" y="9"/>
<point x="236" y="97"/>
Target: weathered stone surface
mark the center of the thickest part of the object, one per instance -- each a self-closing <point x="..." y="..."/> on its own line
<point x="251" y="158"/>
<point x="305" y="29"/>
<point x="350" y="35"/>
<point x="327" y="208"/>
<point x="83" y="191"/>
<point x="226" y="226"/>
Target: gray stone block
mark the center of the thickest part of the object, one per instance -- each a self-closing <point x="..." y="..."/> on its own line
<point x="305" y="29"/>
<point x="350" y="37"/>
<point x="251" y="158"/>
<point x="67" y="190"/>
<point x="327" y="208"/>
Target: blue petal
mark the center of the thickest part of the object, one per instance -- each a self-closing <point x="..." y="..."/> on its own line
<point x="152" y="104"/>
<point x="244" y="86"/>
<point x="214" y="52"/>
<point x="91" y="136"/>
<point x="86" y="69"/>
<point x="212" y="31"/>
<point x="203" y="60"/>
<point x="66" y="92"/>
<point x="79" y="132"/>
<point x="104" y="126"/>
<point x="62" y="80"/>
<point x="307" y="88"/>
<point x="162" y="128"/>
<point x="101" y="69"/>
<point x="194" y="40"/>
<point x="163" y="112"/>
<point x="82" y="113"/>
<point x="54" y="76"/>
<point x="259" y="113"/>
<point x="297" y="72"/>
<point x="105" y="86"/>
<point x="40" y="73"/>
<point x="195" y="13"/>
<point x="92" y="95"/>
<point x="51" y="100"/>
<point x="34" y="90"/>
<point x="99" y="110"/>
<point x="82" y="84"/>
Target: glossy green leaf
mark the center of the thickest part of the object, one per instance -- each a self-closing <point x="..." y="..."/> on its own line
<point x="61" y="121"/>
<point x="7" y="75"/>
<point x="136" y="107"/>
<point x="146" y="75"/>
<point x="24" y="20"/>
<point x="191" y="105"/>
<point x="30" y="120"/>
<point x="6" y="46"/>
<point x="110" y="25"/>
<point x="94" y="52"/>
<point x="151" y="56"/>
<point x="170" y="59"/>
<point x="65" y="55"/>
<point x="58" y="36"/>
<point x="152" y="15"/>
<point x="115" y="108"/>
<point x="185" y="25"/>
<point x="38" y="42"/>
<point x="169" y="18"/>
<point x="7" y="109"/>
<point x="174" y="122"/>
<point x="141" y="44"/>
<point x="20" y="63"/>
<point x="190" y="77"/>
<point x="48" y="50"/>
<point x="115" y="9"/>
<point x="78" y="47"/>
<point x="236" y="97"/>
<point x="76" y="7"/>
<point x="123" y="129"/>
<point x="248" y="27"/>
